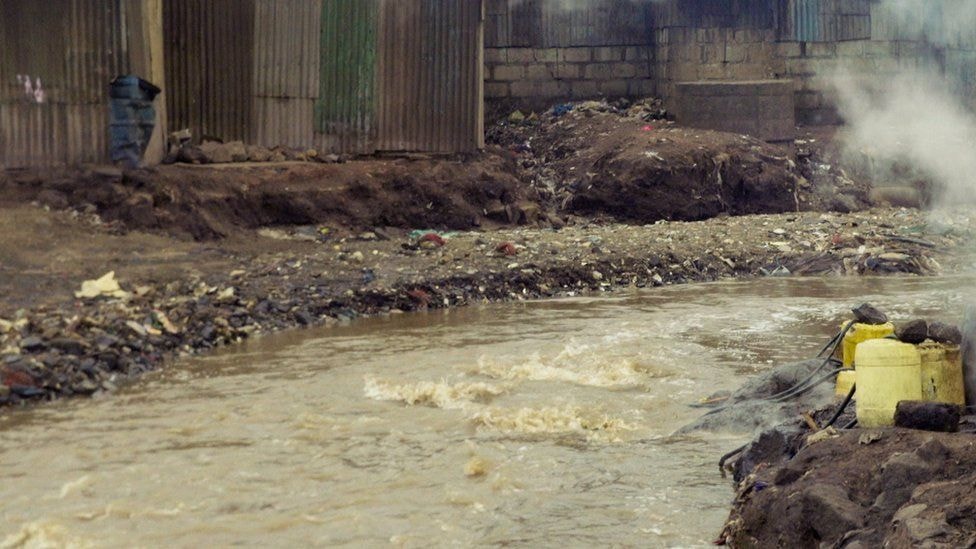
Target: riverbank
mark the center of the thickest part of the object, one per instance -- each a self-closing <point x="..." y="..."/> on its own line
<point x="182" y="297"/>
<point x="860" y="488"/>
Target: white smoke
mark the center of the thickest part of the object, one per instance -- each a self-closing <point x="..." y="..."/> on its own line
<point x="917" y="116"/>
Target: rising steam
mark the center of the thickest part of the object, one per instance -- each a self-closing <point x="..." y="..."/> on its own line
<point x="917" y="116"/>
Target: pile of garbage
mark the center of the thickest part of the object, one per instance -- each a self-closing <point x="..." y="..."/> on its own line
<point x="630" y="162"/>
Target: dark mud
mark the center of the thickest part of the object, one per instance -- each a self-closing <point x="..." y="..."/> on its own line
<point x="215" y="201"/>
<point x="862" y="488"/>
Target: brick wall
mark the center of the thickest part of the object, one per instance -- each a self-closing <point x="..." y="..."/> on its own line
<point x="569" y="72"/>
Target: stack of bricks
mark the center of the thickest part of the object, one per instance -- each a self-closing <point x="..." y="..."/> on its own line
<point x="576" y="72"/>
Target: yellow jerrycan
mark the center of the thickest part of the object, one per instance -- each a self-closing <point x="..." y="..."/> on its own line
<point x="888" y="371"/>
<point x="942" y="379"/>
<point x="845" y="380"/>
<point x="860" y="333"/>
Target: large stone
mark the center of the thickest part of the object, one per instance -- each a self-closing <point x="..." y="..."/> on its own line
<point x="869" y="314"/>
<point x="943" y="332"/>
<point x="928" y="416"/>
<point x="913" y="331"/>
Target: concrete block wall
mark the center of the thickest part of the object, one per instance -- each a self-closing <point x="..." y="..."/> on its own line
<point x="812" y="66"/>
<point x="534" y="74"/>
<point x="685" y="54"/>
<point x="761" y="108"/>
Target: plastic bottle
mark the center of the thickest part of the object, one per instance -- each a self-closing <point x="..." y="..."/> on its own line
<point x="888" y="371"/>
<point x="941" y="373"/>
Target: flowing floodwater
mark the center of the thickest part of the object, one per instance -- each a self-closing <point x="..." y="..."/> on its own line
<point x="539" y="424"/>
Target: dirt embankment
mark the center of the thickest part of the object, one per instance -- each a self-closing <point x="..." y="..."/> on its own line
<point x="863" y="488"/>
<point x="215" y="201"/>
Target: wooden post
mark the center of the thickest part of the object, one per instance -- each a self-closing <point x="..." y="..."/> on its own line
<point x="144" y="22"/>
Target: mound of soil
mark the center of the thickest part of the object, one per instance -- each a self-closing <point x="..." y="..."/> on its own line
<point x="622" y="161"/>
<point x="209" y="202"/>
<point x="863" y="488"/>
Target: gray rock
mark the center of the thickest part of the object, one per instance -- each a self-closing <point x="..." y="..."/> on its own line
<point x="68" y="345"/>
<point x="868" y="314"/>
<point x="945" y="333"/>
<point x="32" y="343"/>
<point x="837" y="514"/>
<point x="258" y="154"/>
<point x="913" y="331"/>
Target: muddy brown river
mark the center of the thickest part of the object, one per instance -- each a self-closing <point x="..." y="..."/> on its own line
<point x="530" y="424"/>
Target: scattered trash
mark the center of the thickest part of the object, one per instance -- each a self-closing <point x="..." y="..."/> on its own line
<point x="432" y="238"/>
<point x="561" y="109"/>
<point x="506" y="248"/>
<point x="869" y="437"/>
<point x="105" y="286"/>
<point x="823" y="435"/>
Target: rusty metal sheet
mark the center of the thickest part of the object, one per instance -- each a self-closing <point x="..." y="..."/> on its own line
<point x="286" y="71"/>
<point x="430" y="75"/>
<point x="70" y="50"/>
<point x="208" y="48"/>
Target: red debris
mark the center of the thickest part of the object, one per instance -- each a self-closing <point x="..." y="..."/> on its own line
<point x="11" y="377"/>
<point x="433" y="237"/>
<point x="506" y="248"/>
<point x="419" y="296"/>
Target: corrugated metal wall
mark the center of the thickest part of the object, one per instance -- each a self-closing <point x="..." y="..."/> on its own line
<point x="345" y="114"/>
<point x="826" y="20"/>
<point x="286" y="71"/>
<point x="550" y="24"/>
<point x="209" y="51"/>
<point x="75" y="48"/>
<point x="430" y="75"/>
<point x="743" y="14"/>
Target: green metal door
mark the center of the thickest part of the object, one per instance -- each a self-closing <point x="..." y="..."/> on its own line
<point x="345" y="111"/>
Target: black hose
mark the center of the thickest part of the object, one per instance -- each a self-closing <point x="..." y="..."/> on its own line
<point x="843" y="405"/>
<point x="850" y="424"/>
<point x="726" y="457"/>
<point x="790" y="392"/>
<point x="798" y="390"/>
<point x="832" y="344"/>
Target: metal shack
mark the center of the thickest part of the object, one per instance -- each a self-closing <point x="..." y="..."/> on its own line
<point x="343" y="76"/>
<point x="57" y="58"/>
